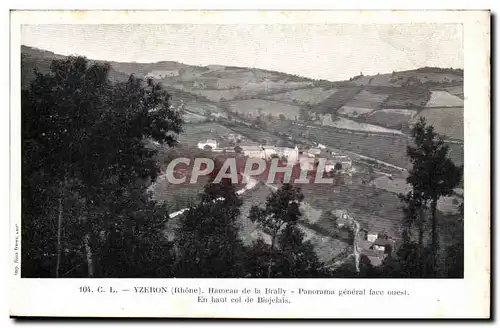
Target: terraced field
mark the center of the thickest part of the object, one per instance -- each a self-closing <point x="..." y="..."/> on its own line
<point x="337" y="100"/>
<point x="456" y="91"/>
<point x="447" y="121"/>
<point x="390" y="118"/>
<point x="387" y="148"/>
<point x="256" y="106"/>
<point x="444" y="99"/>
<point x="351" y="111"/>
<point x="367" y="99"/>
<point x="343" y="123"/>
<point x="247" y="91"/>
<point x="309" y="96"/>
<point x="373" y="208"/>
<point x="194" y="133"/>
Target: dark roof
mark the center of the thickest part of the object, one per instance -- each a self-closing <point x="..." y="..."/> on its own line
<point x="371" y="252"/>
<point x="382" y="242"/>
<point x="285" y="143"/>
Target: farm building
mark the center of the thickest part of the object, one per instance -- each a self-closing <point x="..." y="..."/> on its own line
<point x="375" y="257"/>
<point x="338" y="162"/>
<point x="210" y="142"/>
<point x="383" y="245"/>
<point x="252" y="151"/>
<point x="371" y="236"/>
<point x="267" y="152"/>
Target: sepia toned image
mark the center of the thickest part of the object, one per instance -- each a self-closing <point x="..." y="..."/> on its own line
<point x="225" y="148"/>
<point x="106" y="108"/>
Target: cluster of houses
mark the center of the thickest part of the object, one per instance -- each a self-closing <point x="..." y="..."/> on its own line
<point x="334" y="161"/>
<point x="376" y="247"/>
<point x="307" y="158"/>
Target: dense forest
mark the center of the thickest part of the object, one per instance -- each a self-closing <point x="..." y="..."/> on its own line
<point x="86" y="211"/>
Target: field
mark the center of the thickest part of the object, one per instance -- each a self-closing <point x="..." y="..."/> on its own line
<point x="394" y="185"/>
<point x="444" y="99"/>
<point x="254" y="106"/>
<point x="343" y="123"/>
<point x="373" y="208"/>
<point x="456" y="91"/>
<point x="193" y="118"/>
<point x="368" y="99"/>
<point x="256" y="196"/>
<point x="249" y="90"/>
<point x="176" y="196"/>
<point x="325" y="246"/>
<point x="406" y="112"/>
<point x="387" y="148"/>
<point x="194" y="133"/>
<point x="309" y="96"/>
<point x="351" y="111"/>
<point x="390" y="118"/>
<point x="399" y="79"/>
<point x="409" y="97"/>
<point x="202" y="108"/>
<point x="446" y="121"/>
<point x="337" y="100"/>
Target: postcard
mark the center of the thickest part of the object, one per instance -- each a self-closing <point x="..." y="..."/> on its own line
<point x="250" y="164"/>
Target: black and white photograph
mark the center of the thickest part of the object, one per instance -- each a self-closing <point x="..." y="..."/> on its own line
<point x="106" y="108"/>
<point x="231" y="145"/>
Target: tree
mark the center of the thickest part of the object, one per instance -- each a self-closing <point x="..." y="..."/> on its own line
<point x="414" y="216"/>
<point x="259" y="122"/>
<point x="238" y="149"/>
<point x="432" y="174"/>
<point x="328" y="219"/>
<point x="455" y="259"/>
<point x="282" y="117"/>
<point x="338" y="166"/>
<point x="281" y="210"/>
<point x="207" y="241"/>
<point x="296" y="257"/>
<point x="293" y="257"/>
<point x="207" y="148"/>
<point x="84" y="152"/>
<point x="455" y="252"/>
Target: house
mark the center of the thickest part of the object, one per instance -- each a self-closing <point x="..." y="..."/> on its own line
<point x="314" y="152"/>
<point x="291" y="154"/>
<point x="253" y="151"/>
<point x="268" y="152"/>
<point x="306" y="163"/>
<point x="210" y="142"/>
<point x="383" y="245"/>
<point x="371" y="236"/>
<point x="338" y="161"/>
<point x="375" y="257"/>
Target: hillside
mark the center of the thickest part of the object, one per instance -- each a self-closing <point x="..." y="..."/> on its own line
<point x="366" y="118"/>
<point x="388" y="103"/>
<point x="32" y="58"/>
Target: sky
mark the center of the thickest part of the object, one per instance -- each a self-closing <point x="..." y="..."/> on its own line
<point x="329" y="51"/>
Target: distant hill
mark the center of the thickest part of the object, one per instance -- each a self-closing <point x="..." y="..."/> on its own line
<point x="32" y="58"/>
<point x="391" y="101"/>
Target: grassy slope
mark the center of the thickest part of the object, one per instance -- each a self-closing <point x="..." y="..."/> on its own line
<point x="391" y="149"/>
<point x="32" y="58"/>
